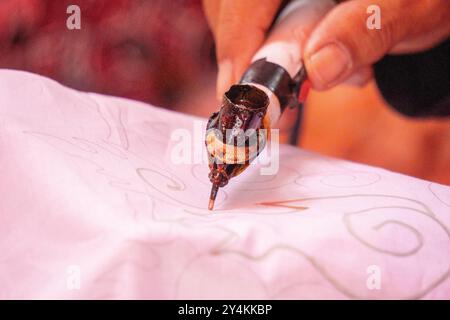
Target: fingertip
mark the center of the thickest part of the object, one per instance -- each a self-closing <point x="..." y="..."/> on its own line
<point x="328" y="65"/>
<point x="360" y="78"/>
<point x="224" y="78"/>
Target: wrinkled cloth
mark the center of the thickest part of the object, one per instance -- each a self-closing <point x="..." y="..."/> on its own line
<point x="93" y="207"/>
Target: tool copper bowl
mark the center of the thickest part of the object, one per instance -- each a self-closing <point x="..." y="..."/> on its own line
<point x="247" y="96"/>
<point x="243" y="107"/>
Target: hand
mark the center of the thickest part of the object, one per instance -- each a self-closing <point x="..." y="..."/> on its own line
<point x="239" y="29"/>
<point x="338" y="48"/>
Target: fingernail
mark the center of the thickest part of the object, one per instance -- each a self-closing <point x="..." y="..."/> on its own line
<point x="224" y="78"/>
<point x="328" y="63"/>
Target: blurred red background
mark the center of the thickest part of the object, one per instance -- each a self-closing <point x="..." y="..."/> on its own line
<point x="161" y="52"/>
<point x="156" y="51"/>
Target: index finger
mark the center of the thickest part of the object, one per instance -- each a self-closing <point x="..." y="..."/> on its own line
<point x="240" y="32"/>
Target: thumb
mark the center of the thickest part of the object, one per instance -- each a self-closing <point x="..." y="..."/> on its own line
<point x="343" y="42"/>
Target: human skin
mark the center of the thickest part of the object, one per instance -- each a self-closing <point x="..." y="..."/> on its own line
<point x="338" y="48"/>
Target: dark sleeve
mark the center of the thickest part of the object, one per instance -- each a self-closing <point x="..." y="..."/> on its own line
<point x="417" y="85"/>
